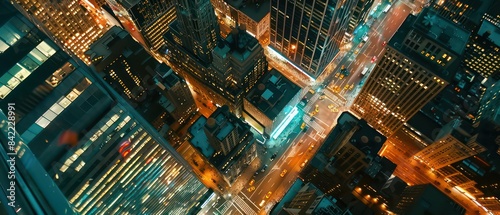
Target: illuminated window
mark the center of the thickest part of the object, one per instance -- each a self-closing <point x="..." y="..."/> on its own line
<point x="3" y="46"/>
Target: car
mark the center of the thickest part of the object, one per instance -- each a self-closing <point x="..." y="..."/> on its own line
<point x="251" y="189"/>
<point x="374" y="58"/>
<point x="316" y="109"/>
<point x="300" y="142"/>
<point x="263" y="168"/>
<point x="384" y="43"/>
<point x="262" y="203"/>
<point x="283" y="173"/>
<point x="268" y="194"/>
<point x="303" y="126"/>
<point x="337" y="75"/>
<point x="331" y="106"/>
<point x="341" y="76"/>
<point x="447" y="190"/>
<point x="304" y="163"/>
<point x="334" y="110"/>
<point x="346" y="87"/>
<point x="356" y="51"/>
<point x="273" y="156"/>
<point x="351" y="87"/>
<point x="342" y="67"/>
<point x="311" y="147"/>
<point x="251" y="182"/>
<point x="322" y="97"/>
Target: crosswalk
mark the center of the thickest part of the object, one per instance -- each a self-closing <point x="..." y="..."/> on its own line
<point x="319" y="129"/>
<point x="224" y="207"/>
<point x="241" y="204"/>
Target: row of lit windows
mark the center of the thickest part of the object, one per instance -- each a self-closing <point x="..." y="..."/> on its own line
<point x="58" y="107"/>
<point x="19" y="72"/>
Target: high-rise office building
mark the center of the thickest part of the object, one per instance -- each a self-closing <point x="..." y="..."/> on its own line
<point x="254" y="15"/>
<point x="359" y="14"/>
<point x="418" y="62"/>
<point x="123" y="63"/>
<point x="177" y="100"/>
<point x="349" y="150"/>
<point x="466" y="13"/>
<point x="102" y="155"/>
<point x="130" y="70"/>
<point x="196" y="28"/>
<point x="426" y="199"/>
<point x="236" y="64"/>
<point x="482" y="55"/>
<point x="114" y="142"/>
<point x="73" y="25"/>
<point x="225" y="143"/>
<point x="451" y="145"/>
<point x="225" y="131"/>
<point x="309" y="33"/>
<point x="488" y="110"/>
<point x="148" y="20"/>
<point x="310" y="200"/>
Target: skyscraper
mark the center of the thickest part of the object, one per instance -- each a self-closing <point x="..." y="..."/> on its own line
<point x="309" y="33"/>
<point x="466" y="13"/>
<point x="236" y="64"/>
<point x="488" y="110"/>
<point x="196" y="28"/>
<point x="359" y="14"/>
<point x="418" y="62"/>
<point x="123" y="63"/>
<point x="225" y="131"/>
<point x="147" y="19"/>
<point x="177" y="98"/>
<point x="130" y="70"/>
<point x="452" y="144"/>
<point x="426" y="199"/>
<point x="102" y="155"/>
<point x="72" y="24"/>
<point x="482" y="55"/>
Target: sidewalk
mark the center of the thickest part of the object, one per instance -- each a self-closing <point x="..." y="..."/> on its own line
<point x="240" y="183"/>
<point x="283" y="137"/>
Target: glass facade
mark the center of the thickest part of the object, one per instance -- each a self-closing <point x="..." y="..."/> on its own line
<point x="83" y="23"/>
<point x="78" y="141"/>
<point x="309" y="33"/>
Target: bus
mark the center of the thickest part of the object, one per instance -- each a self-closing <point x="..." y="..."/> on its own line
<point x="386" y="9"/>
<point x="364" y="71"/>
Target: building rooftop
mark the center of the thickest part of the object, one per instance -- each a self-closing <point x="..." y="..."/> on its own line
<point x="493" y="30"/>
<point x="255" y="9"/>
<point x="434" y="27"/>
<point x="441" y="30"/>
<point x="199" y="138"/>
<point x="272" y="93"/>
<point x="424" y="125"/>
<point x="239" y="44"/>
<point x="225" y="122"/>
<point x="367" y="139"/>
<point x="427" y="199"/>
<point x="169" y="78"/>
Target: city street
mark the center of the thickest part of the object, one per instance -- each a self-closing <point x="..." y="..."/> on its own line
<point x="301" y="147"/>
<point x="320" y="115"/>
<point x="414" y="172"/>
